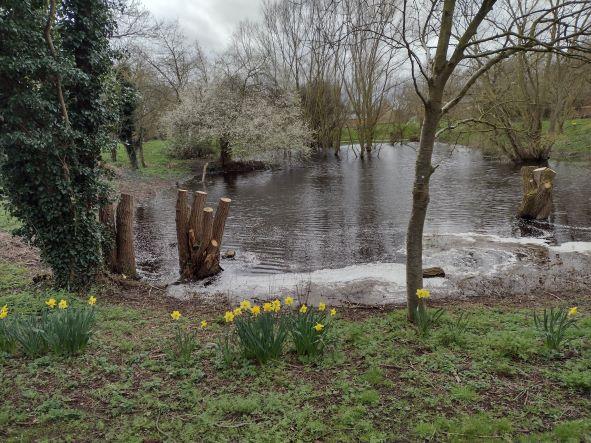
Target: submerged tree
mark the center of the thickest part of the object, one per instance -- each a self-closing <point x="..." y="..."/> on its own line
<point x="53" y="125"/>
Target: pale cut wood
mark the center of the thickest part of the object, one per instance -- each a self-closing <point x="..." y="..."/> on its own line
<point x="538" y="184"/>
<point x="196" y="217"/>
<point x="182" y="229"/>
<point x="107" y="219"/>
<point x="125" y="249"/>
<point x="220" y="219"/>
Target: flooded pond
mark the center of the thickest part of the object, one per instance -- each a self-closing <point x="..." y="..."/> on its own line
<point x="338" y="224"/>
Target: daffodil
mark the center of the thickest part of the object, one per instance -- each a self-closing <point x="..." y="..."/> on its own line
<point x="203" y="324"/>
<point x="175" y="315"/>
<point x="303" y="309"/>
<point x="4" y="312"/>
<point x="63" y="304"/>
<point x="423" y="293"/>
<point x="321" y="306"/>
<point x="288" y="301"/>
<point x="319" y="327"/>
<point x="333" y="312"/>
<point x="237" y="312"/>
<point x="276" y="305"/>
<point x="92" y="300"/>
<point x="229" y="316"/>
<point x="255" y="310"/>
<point x="245" y="304"/>
<point x="51" y="303"/>
<point x="267" y="307"/>
<point x="572" y="311"/>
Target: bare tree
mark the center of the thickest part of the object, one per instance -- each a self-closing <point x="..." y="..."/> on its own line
<point x="446" y="37"/>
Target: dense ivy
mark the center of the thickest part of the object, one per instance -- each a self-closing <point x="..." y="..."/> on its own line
<point x="50" y="171"/>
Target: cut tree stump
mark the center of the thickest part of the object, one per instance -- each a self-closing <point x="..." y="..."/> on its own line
<point x="538" y="184"/>
<point x="199" y="235"/>
<point x="124" y="237"/>
<point x="107" y="219"/>
<point x="433" y="272"/>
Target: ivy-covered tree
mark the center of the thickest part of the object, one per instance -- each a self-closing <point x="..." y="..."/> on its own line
<point x="54" y="59"/>
<point x="127" y="102"/>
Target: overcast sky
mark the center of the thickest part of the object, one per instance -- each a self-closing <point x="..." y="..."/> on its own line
<point x="209" y="21"/>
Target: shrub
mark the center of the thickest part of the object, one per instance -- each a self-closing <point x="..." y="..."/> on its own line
<point x="554" y="324"/>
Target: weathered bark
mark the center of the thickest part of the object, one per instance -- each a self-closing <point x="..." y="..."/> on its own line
<point x="219" y="222"/>
<point x="420" y="201"/>
<point x="107" y="219"/>
<point x="125" y="249"/>
<point x="130" y="148"/>
<point x="537" y="192"/>
<point x="140" y="148"/>
<point x="182" y="229"/>
<point x="196" y="217"/>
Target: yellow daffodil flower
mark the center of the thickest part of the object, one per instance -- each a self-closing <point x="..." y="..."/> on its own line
<point x="319" y="327"/>
<point x="92" y="300"/>
<point x="203" y="324"/>
<point x="4" y="312"/>
<point x="333" y="312"/>
<point x="288" y="301"/>
<point x="63" y="304"/>
<point x="423" y="293"/>
<point x="572" y="311"/>
<point x="229" y="316"/>
<point x="276" y="305"/>
<point x="255" y="310"/>
<point x="237" y="312"/>
<point x="321" y="306"/>
<point x="267" y="307"/>
<point x="303" y="309"/>
<point x="175" y="315"/>
<point x="245" y="304"/>
<point x="52" y="302"/>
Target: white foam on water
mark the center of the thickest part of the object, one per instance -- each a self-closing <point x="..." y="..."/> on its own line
<point x="573" y="246"/>
<point x="475" y="237"/>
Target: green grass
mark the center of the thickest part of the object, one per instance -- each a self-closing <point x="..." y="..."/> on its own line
<point x="7" y="222"/>
<point x="379" y="382"/>
<point x="158" y="160"/>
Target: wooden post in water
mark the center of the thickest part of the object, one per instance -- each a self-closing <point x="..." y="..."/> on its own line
<point x="107" y="219"/>
<point x="537" y="192"/>
<point x="199" y="235"/>
<point x="125" y="250"/>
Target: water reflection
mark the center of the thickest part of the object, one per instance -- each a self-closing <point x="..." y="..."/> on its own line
<point x="341" y="211"/>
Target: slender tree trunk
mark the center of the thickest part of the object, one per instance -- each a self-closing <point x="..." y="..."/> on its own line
<point x="107" y="219"/>
<point x="140" y="146"/>
<point x="420" y="201"/>
<point x="131" y="153"/>
<point x="125" y="249"/>
<point x="225" y="154"/>
<point x="114" y="154"/>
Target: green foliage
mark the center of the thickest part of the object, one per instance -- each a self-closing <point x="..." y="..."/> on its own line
<point x="7" y="342"/>
<point x="425" y="319"/>
<point x="50" y="172"/>
<point x="309" y="342"/>
<point x="185" y="342"/>
<point x="553" y="325"/>
<point x="27" y="332"/>
<point x="67" y="331"/>
<point x="261" y="337"/>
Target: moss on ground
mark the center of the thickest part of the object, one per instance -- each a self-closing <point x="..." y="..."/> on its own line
<point x="379" y="382"/>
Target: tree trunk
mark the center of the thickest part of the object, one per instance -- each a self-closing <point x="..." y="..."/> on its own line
<point x="225" y="154"/>
<point x="182" y="230"/>
<point x="132" y="154"/>
<point x="107" y="219"/>
<point x="420" y="201"/>
<point x="140" y="147"/>
<point x="114" y="154"/>
<point x="125" y="250"/>
<point x="196" y="219"/>
<point x="537" y="193"/>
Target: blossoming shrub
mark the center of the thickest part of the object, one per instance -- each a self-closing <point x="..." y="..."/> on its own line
<point x="59" y="329"/>
<point x="554" y="324"/>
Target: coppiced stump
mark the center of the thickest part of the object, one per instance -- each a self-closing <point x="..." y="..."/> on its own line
<point x="125" y="249"/>
<point x="538" y="184"/>
<point x="107" y="219"/>
<point x="201" y="234"/>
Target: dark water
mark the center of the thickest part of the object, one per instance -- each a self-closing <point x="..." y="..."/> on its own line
<point x="332" y="212"/>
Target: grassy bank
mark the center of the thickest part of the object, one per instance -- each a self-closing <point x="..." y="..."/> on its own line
<point x="575" y="142"/>
<point x="378" y="382"/>
<point x="159" y="162"/>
